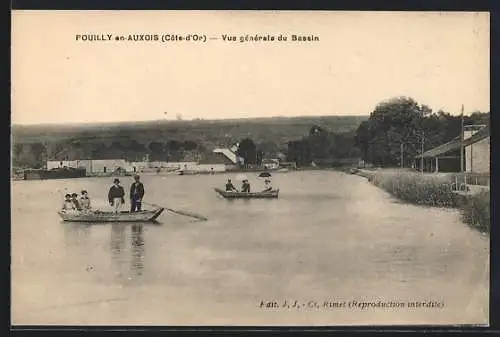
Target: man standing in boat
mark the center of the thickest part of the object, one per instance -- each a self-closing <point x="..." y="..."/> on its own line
<point x="116" y="195"/>
<point x="136" y="195"/>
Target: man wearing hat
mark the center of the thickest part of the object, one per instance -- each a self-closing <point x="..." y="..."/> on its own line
<point x="136" y="194"/>
<point x="116" y="195"/>
<point x="84" y="200"/>
<point x="245" y="187"/>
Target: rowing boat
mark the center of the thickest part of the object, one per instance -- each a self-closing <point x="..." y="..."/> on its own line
<point x="107" y="216"/>
<point x="247" y="195"/>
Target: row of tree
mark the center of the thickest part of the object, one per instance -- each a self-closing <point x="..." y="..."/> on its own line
<point x="36" y="154"/>
<point x="394" y="124"/>
<point x="323" y="146"/>
<point x="402" y="122"/>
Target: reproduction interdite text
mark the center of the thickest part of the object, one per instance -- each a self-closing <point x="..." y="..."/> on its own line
<point x="195" y="38"/>
<point x="351" y="304"/>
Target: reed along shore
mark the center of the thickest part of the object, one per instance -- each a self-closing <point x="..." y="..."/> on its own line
<point x="434" y="190"/>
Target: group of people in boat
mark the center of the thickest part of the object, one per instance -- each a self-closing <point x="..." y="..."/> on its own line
<point x="245" y="186"/>
<point x="73" y="202"/>
<point x="116" y="197"/>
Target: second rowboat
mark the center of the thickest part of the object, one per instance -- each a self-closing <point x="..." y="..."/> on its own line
<point x="248" y="195"/>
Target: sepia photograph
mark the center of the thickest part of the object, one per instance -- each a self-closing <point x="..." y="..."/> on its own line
<point x="250" y="168"/>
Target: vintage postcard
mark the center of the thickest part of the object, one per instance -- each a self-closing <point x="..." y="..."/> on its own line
<point x="250" y="168"/>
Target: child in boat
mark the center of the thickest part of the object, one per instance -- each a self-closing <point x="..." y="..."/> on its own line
<point x="84" y="200"/>
<point x="76" y="204"/>
<point x="68" y="203"/>
<point x="230" y="187"/>
<point x="267" y="187"/>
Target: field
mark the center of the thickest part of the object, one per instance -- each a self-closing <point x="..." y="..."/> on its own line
<point x="276" y="129"/>
<point x="34" y="144"/>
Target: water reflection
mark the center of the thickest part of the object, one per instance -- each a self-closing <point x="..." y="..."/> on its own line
<point x="137" y="261"/>
<point x="118" y="237"/>
<point x="128" y="258"/>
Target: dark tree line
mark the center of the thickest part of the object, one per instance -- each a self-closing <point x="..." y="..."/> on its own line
<point x="378" y="140"/>
<point x="322" y="146"/>
<point x="35" y="155"/>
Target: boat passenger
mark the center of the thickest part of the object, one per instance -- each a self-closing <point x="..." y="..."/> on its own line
<point x="136" y="194"/>
<point x="230" y="187"/>
<point x="245" y="187"/>
<point x="84" y="200"/>
<point x="68" y="203"/>
<point x="74" y="200"/>
<point x="116" y="195"/>
<point x="267" y="187"/>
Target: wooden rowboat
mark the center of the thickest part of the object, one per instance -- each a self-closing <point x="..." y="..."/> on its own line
<point x="106" y="216"/>
<point x="246" y="195"/>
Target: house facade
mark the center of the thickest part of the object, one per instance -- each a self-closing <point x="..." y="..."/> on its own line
<point x="477" y="150"/>
<point x="447" y="157"/>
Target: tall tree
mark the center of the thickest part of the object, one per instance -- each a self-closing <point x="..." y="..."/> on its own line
<point x="248" y="151"/>
<point x="392" y="123"/>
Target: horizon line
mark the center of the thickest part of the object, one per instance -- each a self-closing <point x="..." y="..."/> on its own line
<point x="198" y="119"/>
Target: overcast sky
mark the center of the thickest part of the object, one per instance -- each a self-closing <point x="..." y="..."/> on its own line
<point x="362" y="58"/>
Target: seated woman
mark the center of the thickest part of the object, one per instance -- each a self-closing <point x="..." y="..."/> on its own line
<point x="267" y="187"/>
<point x="68" y="203"/>
<point x="75" y="202"/>
<point x="84" y="200"/>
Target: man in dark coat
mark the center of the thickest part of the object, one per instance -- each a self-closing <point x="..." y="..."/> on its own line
<point x="136" y="195"/>
<point x="116" y="195"/>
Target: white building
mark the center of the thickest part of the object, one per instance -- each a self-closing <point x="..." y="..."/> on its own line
<point x="270" y="164"/>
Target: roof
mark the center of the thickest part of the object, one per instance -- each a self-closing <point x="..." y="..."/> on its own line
<point x="443" y="148"/>
<point x="456" y="143"/>
<point x="478" y="136"/>
<point x="228" y="154"/>
<point x="215" y="158"/>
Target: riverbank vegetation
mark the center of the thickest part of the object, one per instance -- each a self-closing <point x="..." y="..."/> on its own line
<point x="416" y="188"/>
<point x="476" y="211"/>
<point x="434" y="190"/>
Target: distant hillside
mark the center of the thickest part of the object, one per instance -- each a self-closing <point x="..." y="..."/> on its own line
<point x="33" y="144"/>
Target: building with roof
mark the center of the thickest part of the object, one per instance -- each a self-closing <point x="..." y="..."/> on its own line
<point x="446" y="157"/>
<point x="477" y="150"/>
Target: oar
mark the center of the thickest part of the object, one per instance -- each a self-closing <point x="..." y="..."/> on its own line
<point x="185" y="213"/>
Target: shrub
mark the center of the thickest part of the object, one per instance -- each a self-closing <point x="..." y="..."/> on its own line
<point x="475" y="211"/>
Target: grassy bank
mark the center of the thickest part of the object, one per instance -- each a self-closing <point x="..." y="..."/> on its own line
<point x="433" y="190"/>
<point x="417" y="188"/>
<point x="475" y="211"/>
